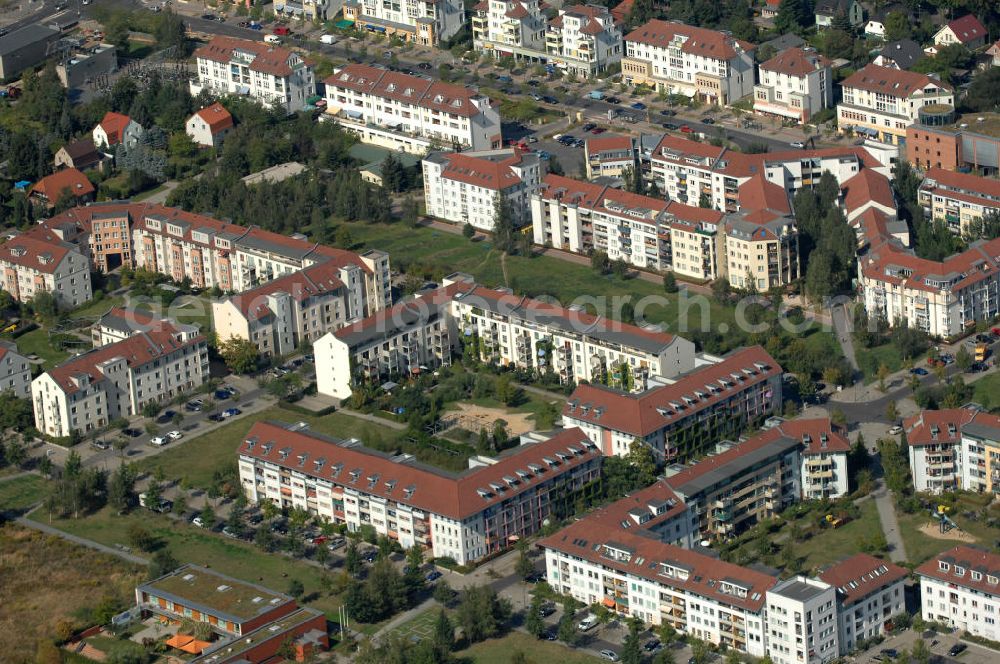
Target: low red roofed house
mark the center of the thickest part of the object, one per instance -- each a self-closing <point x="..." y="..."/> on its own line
<point x="67" y="182"/>
<point x="967" y="31"/>
<point x="209" y="126"/>
<point x="116" y="128"/>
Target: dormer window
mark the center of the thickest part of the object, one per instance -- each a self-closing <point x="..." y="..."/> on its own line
<point x="959" y="571"/>
<point x="943" y="566"/>
<point x="976" y="576"/>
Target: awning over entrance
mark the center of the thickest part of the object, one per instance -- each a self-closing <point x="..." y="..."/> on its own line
<point x="375" y="28"/>
<point x="608" y="602"/>
<point x="344" y="24"/>
<point x="187" y="643"/>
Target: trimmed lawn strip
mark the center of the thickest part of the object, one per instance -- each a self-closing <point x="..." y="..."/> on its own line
<point x="37" y="343"/>
<point x="920" y="547"/>
<point x="97" y="308"/>
<point x="500" y="651"/>
<point x="199" y="457"/>
<point x="21" y="493"/>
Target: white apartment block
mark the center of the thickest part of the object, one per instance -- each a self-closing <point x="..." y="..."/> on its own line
<point x="90" y="390"/>
<point x="870" y="593"/>
<point x="272" y="75"/>
<point x="958" y="199"/>
<point x="514" y="330"/>
<point x="427" y="22"/>
<point x="710" y="66"/>
<point x="954" y="449"/>
<point x="580" y="39"/>
<point x="980" y="465"/>
<point x="796" y="83"/>
<point x="733" y="392"/>
<point x="403" y="340"/>
<point x="881" y="102"/>
<point x="961" y="588"/>
<point x="410" y="113"/>
<point x="802" y="622"/>
<point x="477" y="513"/>
<point x="15" y="371"/>
<point x="761" y="250"/>
<point x="39" y="261"/>
<point x="696" y="244"/>
<point x="466" y="187"/>
<point x="300" y="307"/>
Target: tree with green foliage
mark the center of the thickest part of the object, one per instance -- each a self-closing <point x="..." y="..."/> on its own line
<point x="352" y="558"/>
<point x="504" y="227"/>
<point x="984" y="91"/>
<point x="600" y="262"/>
<point x="443" y="593"/>
<point x="897" y="26"/>
<point x="468" y="231"/>
<point x="207" y="516"/>
<point x="533" y="618"/>
<point x="631" y="651"/>
<point x="444" y="635"/>
<point x="963" y="358"/>
<point x="669" y="283"/>
<point x="986" y="227"/>
<point x="162" y="562"/>
<point x="413" y="573"/>
<point x="523" y="567"/>
<point x="482" y="614"/>
<point x="240" y="355"/>
<point x="120" y="488"/>
<point x="793" y="16"/>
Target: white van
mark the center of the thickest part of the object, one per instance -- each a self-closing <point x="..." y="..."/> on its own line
<point x="272" y="39"/>
<point x="328" y="39"/>
<point x="588" y="623"/>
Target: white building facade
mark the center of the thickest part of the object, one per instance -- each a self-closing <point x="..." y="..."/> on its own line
<point x="802" y="622"/>
<point x="961" y="588"/>
<point x="796" y="84"/>
<point x="426" y="22"/>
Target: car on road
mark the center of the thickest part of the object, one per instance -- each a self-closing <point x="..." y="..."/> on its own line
<point x="534" y="577"/>
<point x="896" y="430"/>
<point x="231" y="412"/>
<point x="174" y="435"/>
<point x="957" y="649"/>
<point x="282" y="30"/>
<point x="918" y="371"/>
<point x="198" y="522"/>
<point x="542" y="154"/>
<point x="891" y="653"/>
<point x="579" y="143"/>
<point x="101" y="445"/>
<point x="132" y="433"/>
<point x="534" y="83"/>
<point x="798" y="144"/>
<point x="639" y="106"/>
<point x="216" y="417"/>
<point x="566" y="139"/>
<point x="549" y="99"/>
<point x="158" y="441"/>
<point x="670" y="125"/>
<point x="167" y="416"/>
<point x="208" y="17"/>
<point x="194" y="405"/>
<point x="433" y="576"/>
<point x="224" y="393"/>
<point x="708" y="121"/>
<point x="424" y="65"/>
<point x="256" y="26"/>
<point x="667" y="112"/>
<point x="589" y="126"/>
<point x="609" y="655"/>
<point x="613" y="100"/>
<point x="686" y="129"/>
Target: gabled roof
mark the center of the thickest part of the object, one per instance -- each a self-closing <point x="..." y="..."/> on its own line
<point x="905" y="52"/>
<point x="695" y="41"/>
<point x="434" y="95"/>
<point x="114" y="125"/>
<point x="968" y="559"/>
<point x="266" y="58"/>
<point x="890" y="81"/>
<point x="82" y="152"/>
<point x="867" y="187"/>
<point x="454" y="496"/>
<point x="861" y="575"/>
<point x="936" y="427"/>
<point x="495" y="174"/>
<point x="796" y="62"/>
<point x="69" y="179"/>
<point x="613" y="143"/>
<point x="759" y="193"/>
<point x="312" y="281"/>
<point x="216" y="117"/>
<point x="38" y="249"/>
<point x="967" y="29"/>
<point x="985" y="191"/>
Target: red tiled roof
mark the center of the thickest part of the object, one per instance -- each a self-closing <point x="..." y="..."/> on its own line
<point x="137" y="350"/>
<point x="919" y="427"/>
<point x="976" y="263"/>
<point x="517" y="11"/>
<point x="759" y="193"/>
<point x="699" y="41"/>
<point x="268" y="59"/>
<point x="867" y="187"/>
<point x="487" y="173"/>
<point x="114" y="125"/>
<point x="568" y="190"/>
<point x="796" y="61"/>
<point x="609" y="144"/>
<point x="967" y="29"/>
<point x="415" y="90"/>
<point x="968" y="558"/>
<point x="638" y="414"/>
<point x="621" y="11"/>
<point x="38" y="249"/>
<point x="71" y="179"/>
<point x="891" y="81"/>
<point x="216" y="117"/>
<point x="453" y="496"/>
<point x="861" y="575"/>
<point x="693" y="214"/>
<point x="301" y="285"/>
<point x="816" y="428"/>
<point x="989" y="188"/>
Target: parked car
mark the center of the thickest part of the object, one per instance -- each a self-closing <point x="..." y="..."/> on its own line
<point x="613" y="100"/>
<point x="918" y="371"/>
<point x="424" y="65"/>
<point x="167" y="416"/>
<point x="549" y="635"/>
<point x="598" y="130"/>
<point x="957" y="649"/>
<point x="175" y="435"/>
<point x="534" y="577"/>
<point x="896" y="430"/>
<point x="132" y="433"/>
<point x="798" y="144"/>
<point x="158" y="441"/>
<point x="194" y="405"/>
<point x="231" y="412"/>
<point x="433" y="576"/>
<point x="891" y="653"/>
<point x="588" y="623"/>
<point x="198" y="522"/>
<point x="549" y="99"/>
<point x="370" y="556"/>
<point x="976" y="367"/>
<point x="505" y="79"/>
<point x="609" y="655"/>
<point x="282" y="30"/>
<point x="686" y="130"/>
<point x="546" y="610"/>
<point x="216" y="417"/>
<point x="589" y="126"/>
<point x="534" y="83"/>
<point x="101" y="445"/>
<point x="652" y="645"/>
<point x="708" y="121"/>
<point x="229" y="532"/>
<point x="670" y="125"/>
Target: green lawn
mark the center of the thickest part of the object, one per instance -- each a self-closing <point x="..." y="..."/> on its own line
<point x="22" y="492"/>
<point x="37" y="343"/>
<point x="501" y="651"/>
<point x="421" y="627"/>
<point x="195" y="545"/>
<point x="96" y="308"/>
<point x="870" y="359"/>
<point x="199" y="457"/>
<point x="833" y="545"/>
<point x="920" y="547"/>
<point x="195" y="311"/>
<point x="988" y="391"/>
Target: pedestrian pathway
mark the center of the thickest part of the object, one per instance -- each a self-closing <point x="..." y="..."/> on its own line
<point x="91" y="544"/>
<point x="382" y="421"/>
<point x="886" y="506"/>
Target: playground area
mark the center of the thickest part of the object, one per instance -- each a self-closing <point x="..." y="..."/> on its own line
<point x="954" y="534"/>
<point x="472" y="417"/>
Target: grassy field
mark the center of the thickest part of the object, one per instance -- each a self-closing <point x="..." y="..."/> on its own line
<point x="195" y="311"/>
<point x="870" y="359"/>
<point x="988" y="391"/>
<point x="74" y="577"/>
<point x="22" y="492"/>
<point x="37" y="343"/>
<point x="195" y="545"/>
<point x="197" y="458"/>
<point x="421" y="627"/>
<point x="500" y="651"/>
<point x="830" y="546"/>
<point x="920" y="547"/>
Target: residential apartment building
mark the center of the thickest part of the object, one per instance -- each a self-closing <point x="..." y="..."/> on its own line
<point x="251" y="624"/>
<point x="960" y="587"/>
<point x="15" y="371"/>
<point x="695" y="244"/>
<point x="118" y="324"/>
<point x="38" y="261"/>
<point x="466" y="516"/>
<point x="610" y="156"/>
<point x="403" y="340"/>
<point x="741" y="484"/>
<point x="87" y="392"/>
<point x="958" y="199"/>
<point x="687" y="416"/>
<point x="796" y="84"/>
<point x="881" y="103"/>
<point x="941" y="298"/>
<point x="934" y="440"/>
<point x="580" y="39"/>
<point x="427" y="22"/>
<point x="710" y="66"/>
<point x="802" y="622"/>
<point x="761" y="249"/>
<point x="302" y="306"/>
<point x="272" y="75"/>
<point x="870" y="592"/>
<point x="410" y="113"/>
<point x="467" y="187"/>
<point x="514" y="330"/>
<point x="980" y="464"/>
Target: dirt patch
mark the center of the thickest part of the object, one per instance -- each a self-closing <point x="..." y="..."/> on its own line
<point x="934" y="530"/>
<point x="473" y="418"/>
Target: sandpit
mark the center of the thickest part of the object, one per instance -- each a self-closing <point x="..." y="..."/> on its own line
<point x="934" y="530"/>
<point x="473" y="418"/>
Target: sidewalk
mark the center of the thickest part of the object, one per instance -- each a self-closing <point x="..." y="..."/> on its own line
<point x="49" y="530"/>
